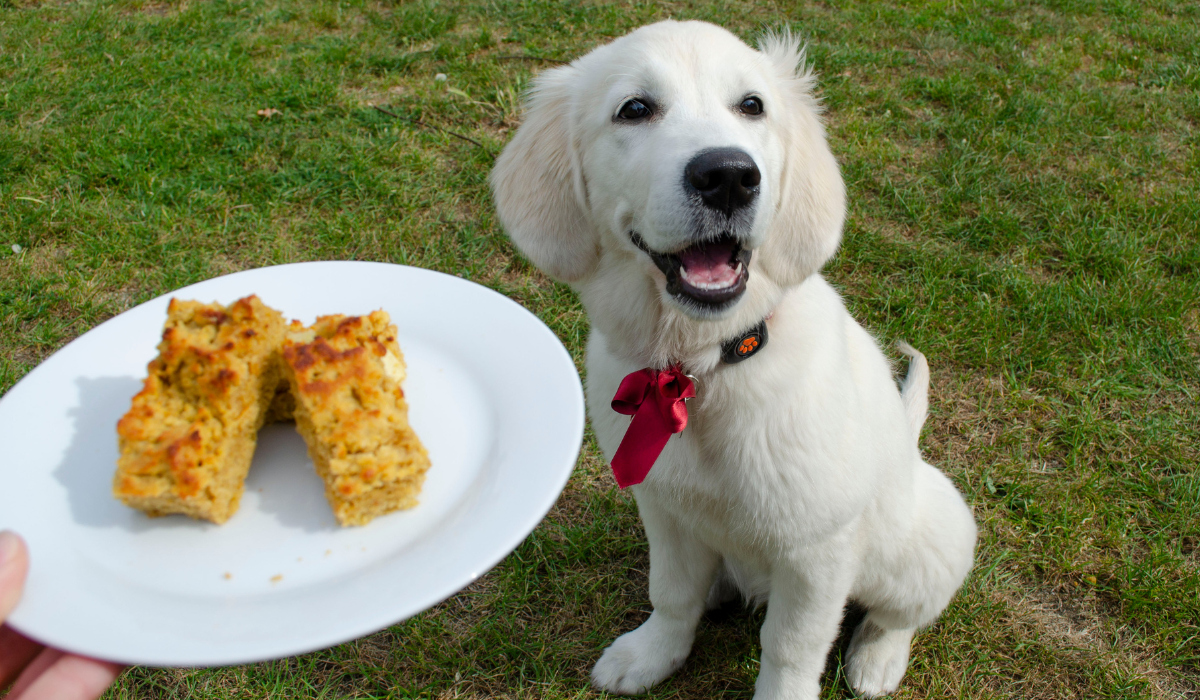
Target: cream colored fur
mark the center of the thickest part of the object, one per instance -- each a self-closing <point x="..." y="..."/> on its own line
<point x="798" y="478"/>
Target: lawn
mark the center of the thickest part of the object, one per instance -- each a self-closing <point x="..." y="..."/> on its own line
<point x="1024" y="207"/>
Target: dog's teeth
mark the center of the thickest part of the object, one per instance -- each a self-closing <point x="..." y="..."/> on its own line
<point x="708" y="286"/>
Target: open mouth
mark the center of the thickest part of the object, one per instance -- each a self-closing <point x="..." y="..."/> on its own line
<point x="710" y="273"/>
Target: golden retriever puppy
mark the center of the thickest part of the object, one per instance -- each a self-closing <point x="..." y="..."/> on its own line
<point x="681" y="182"/>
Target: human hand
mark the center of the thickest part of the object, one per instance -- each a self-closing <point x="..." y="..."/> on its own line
<point x="39" y="672"/>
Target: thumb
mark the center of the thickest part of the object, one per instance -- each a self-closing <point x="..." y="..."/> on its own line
<point x="14" y="565"/>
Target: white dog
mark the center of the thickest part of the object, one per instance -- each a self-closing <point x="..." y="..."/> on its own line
<point x="681" y="182"/>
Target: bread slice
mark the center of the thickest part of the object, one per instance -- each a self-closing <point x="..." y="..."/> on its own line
<point x="345" y="374"/>
<point x="188" y="439"/>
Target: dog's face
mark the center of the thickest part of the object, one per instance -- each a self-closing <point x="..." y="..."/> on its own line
<point x="680" y="157"/>
<point x="687" y="151"/>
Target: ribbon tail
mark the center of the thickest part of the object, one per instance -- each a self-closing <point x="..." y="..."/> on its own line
<point x="643" y="443"/>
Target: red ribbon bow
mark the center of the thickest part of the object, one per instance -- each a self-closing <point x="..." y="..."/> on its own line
<point x="655" y="399"/>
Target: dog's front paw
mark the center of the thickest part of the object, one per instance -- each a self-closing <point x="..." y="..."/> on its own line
<point x="877" y="659"/>
<point x="638" y="660"/>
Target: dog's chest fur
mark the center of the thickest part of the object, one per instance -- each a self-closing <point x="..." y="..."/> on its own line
<point x="782" y="451"/>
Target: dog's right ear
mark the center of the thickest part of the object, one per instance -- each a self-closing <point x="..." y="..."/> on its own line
<point x="538" y="187"/>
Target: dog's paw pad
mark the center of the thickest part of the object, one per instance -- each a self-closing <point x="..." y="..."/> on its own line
<point x="877" y="659"/>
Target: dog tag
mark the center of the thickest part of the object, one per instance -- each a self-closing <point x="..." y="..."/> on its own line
<point x="739" y="348"/>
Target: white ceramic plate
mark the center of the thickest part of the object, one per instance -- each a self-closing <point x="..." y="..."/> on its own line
<point x="493" y="394"/>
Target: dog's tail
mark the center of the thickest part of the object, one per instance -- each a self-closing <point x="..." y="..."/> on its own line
<point x="914" y="390"/>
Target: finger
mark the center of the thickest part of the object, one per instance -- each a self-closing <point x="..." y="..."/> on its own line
<point x="14" y="565"/>
<point x="65" y="677"/>
<point x="16" y="651"/>
<point x="44" y="660"/>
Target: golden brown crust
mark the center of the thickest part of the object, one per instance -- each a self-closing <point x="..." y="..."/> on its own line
<point x="345" y="374"/>
<point x="188" y="439"/>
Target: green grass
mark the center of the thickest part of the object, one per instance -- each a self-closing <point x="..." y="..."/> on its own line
<point x="1024" y="207"/>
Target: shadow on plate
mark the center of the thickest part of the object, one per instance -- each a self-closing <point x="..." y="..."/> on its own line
<point x="285" y="483"/>
<point x="88" y="465"/>
<point x="281" y="483"/>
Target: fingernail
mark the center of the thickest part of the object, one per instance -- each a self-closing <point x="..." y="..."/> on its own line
<point x="9" y="545"/>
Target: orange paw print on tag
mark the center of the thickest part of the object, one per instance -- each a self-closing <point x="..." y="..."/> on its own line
<point x="748" y="345"/>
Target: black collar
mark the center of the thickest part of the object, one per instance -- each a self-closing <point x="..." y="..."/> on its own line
<point x="744" y="344"/>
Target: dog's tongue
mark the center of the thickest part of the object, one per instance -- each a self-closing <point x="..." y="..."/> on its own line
<point x="709" y="265"/>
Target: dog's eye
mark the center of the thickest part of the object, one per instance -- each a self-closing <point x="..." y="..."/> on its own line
<point x="752" y="106"/>
<point x="633" y="109"/>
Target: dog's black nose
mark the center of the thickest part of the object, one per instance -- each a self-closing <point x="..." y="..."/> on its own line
<point x="725" y="178"/>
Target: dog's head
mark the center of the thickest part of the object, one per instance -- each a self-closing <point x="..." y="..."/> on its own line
<point x="682" y="146"/>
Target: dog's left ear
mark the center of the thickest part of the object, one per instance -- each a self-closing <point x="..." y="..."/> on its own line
<point x="812" y="197"/>
<point x="538" y="187"/>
